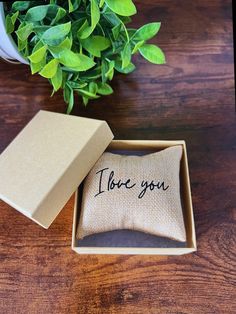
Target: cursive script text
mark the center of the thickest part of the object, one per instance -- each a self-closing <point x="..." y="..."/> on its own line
<point x="111" y="184"/>
<point x="108" y="183"/>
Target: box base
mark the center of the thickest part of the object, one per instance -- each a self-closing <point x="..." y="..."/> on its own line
<point x="135" y="242"/>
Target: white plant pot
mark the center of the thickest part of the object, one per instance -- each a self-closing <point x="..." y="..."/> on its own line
<point x="8" y="48"/>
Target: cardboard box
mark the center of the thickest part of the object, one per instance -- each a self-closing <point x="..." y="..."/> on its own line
<point x="110" y="242"/>
<point x="45" y="163"/>
<point x="50" y="158"/>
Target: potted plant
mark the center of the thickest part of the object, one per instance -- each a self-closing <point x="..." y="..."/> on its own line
<point x="77" y="45"/>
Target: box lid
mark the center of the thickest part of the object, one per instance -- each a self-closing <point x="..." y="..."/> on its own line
<point x="46" y="162"/>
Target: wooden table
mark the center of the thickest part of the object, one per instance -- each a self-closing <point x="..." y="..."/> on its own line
<point x="190" y="98"/>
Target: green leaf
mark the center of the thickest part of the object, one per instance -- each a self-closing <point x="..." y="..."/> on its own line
<point x="122" y="7"/>
<point x="70" y="6"/>
<point x="130" y="67"/>
<point x="50" y="69"/>
<point x="104" y="69"/>
<point x="95" y="17"/>
<point x="55" y="34"/>
<point x="137" y="46"/>
<point x="64" y="45"/>
<point x="101" y="3"/>
<point x="69" y="58"/>
<point x="101" y="43"/>
<point x="88" y="94"/>
<point x="93" y="88"/>
<point x="71" y="102"/>
<point x="24" y="32"/>
<point x="25" y="52"/>
<point x="104" y="89"/>
<point x="131" y="32"/>
<point x="66" y="91"/>
<point x="38" y="55"/>
<point x="116" y="31"/>
<point x="95" y="44"/>
<point x="59" y="15"/>
<point x="82" y="27"/>
<point x="110" y="72"/>
<point x="147" y="31"/>
<point x="112" y="18"/>
<point x="85" y="100"/>
<point x="86" y="63"/>
<point x="76" y="4"/>
<point x="21" y="44"/>
<point x="76" y="85"/>
<point x="125" y="19"/>
<point x="36" y="67"/>
<point x="14" y="17"/>
<point x="57" y="79"/>
<point x="20" y="5"/>
<point x="95" y="14"/>
<point x="37" y="13"/>
<point x="9" y="24"/>
<point x="126" y="56"/>
<point x="92" y="74"/>
<point x="152" y="53"/>
<point x="38" y="45"/>
<point x="76" y="61"/>
<point x="39" y="30"/>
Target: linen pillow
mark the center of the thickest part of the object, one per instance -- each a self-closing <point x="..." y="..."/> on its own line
<point x="139" y="193"/>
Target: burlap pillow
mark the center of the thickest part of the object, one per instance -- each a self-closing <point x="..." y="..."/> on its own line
<point x="134" y="192"/>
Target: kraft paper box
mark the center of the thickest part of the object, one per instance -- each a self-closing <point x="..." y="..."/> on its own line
<point x="46" y="162"/>
<point x="132" y="242"/>
<point x="49" y="159"/>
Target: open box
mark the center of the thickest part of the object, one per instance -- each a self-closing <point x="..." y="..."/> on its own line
<point x="49" y="159"/>
<point x="114" y="242"/>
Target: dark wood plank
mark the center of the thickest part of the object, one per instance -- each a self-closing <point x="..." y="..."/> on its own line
<point x="191" y="98"/>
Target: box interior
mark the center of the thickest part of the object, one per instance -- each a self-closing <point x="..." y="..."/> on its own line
<point x="135" y="239"/>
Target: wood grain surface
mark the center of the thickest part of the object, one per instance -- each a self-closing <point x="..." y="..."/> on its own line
<point x="190" y="98"/>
